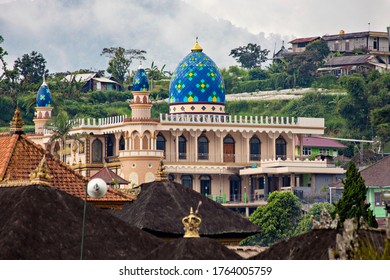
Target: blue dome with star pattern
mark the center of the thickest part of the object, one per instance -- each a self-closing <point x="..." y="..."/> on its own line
<point x="197" y="79"/>
<point x="140" y="81"/>
<point x="44" y="96"/>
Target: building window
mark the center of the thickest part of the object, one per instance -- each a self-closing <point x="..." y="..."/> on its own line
<point x="377" y="199"/>
<point x="375" y="44"/>
<point x="160" y="143"/>
<point x="205" y="185"/>
<point x="97" y="151"/>
<point x="254" y="149"/>
<point x="347" y="45"/>
<point x="228" y="149"/>
<point x="336" y="45"/>
<point x="122" y="143"/>
<point x="186" y="181"/>
<point x="203" y="147"/>
<point x="324" y="151"/>
<point x="182" y="147"/>
<point x="171" y="177"/>
<point x="306" y="151"/>
<point x="110" y="145"/>
<point x="280" y="148"/>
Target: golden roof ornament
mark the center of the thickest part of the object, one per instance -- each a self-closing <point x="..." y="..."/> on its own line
<point x="196" y="47"/>
<point x="16" y="124"/>
<point x="162" y="175"/>
<point x="41" y="174"/>
<point x="191" y="224"/>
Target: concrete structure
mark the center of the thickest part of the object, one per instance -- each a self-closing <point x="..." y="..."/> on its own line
<point x="236" y="160"/>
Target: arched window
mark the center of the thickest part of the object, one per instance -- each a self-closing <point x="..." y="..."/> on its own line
<point x="280" y="148"/>
<point x="203" y="147"/>
<point x="182" y="147"/>
<point x="160" y="143"/>
<point x="254" y="148"/>
<point x="228" y="149"/>
<point x="110" y="145"/>
<point x="122" y="143"/>
<point x="97" y="151"/>
<point x="205" y="185"/>
<point x="186" y="181"/>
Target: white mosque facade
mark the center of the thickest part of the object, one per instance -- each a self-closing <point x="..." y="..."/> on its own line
<point x="231" y="159"/>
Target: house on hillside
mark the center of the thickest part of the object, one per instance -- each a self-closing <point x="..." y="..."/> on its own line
<point x="94" y="82"/>
<point x="367" y="42"/>
<point x="347" y="65"/>
<point x="377" y="180"/>
<point x="299" y="44"/>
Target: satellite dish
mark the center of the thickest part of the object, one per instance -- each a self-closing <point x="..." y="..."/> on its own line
<point x="96" y="188"/>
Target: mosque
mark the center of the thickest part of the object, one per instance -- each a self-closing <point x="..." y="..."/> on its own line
<point x="235" y="160"/>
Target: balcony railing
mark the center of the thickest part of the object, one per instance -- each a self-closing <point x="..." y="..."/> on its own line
<point x="143" y="153"/>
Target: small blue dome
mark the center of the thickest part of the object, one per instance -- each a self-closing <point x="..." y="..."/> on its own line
<point x="140" y="81"/>
<point x="197" y="79"/>
<point x="44" y="96"/>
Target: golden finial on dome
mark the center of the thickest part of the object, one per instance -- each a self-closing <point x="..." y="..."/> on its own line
<point x="196" y="47"/>
<point x="191" y="224"/>
<point x="41" y="174"/>
<point x="16" y="124"/>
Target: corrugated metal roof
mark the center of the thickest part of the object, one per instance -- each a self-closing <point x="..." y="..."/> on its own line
<point x="349" y="60"/>
<point x="105" y="80"/>
<point x="80" y="77"/>
<point x="320" y="142"/>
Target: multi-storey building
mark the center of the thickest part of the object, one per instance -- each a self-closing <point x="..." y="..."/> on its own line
<point x="229" y="158"/>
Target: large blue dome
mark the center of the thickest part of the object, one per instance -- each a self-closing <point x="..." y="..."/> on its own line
<point x="197" y="86"/>
<point x="140" y="81"/>
<point x="44" y="96"/>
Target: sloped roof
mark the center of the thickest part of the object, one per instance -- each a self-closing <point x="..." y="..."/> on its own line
<point x="161" y="205"/>
<point x="192" y="249"/>
<point x="304" y="40"/>
<point x="349" y="60"/>
<point x="314" y="245"/>
<point x="106" y="80"/>
<point x="40" y="222"/>
<point x="377" y="174"/>
<point x="320" y="142"/>
<point x="20" y="156"/>
<point x="110" y="177"/>
<point x="80" y="77"/>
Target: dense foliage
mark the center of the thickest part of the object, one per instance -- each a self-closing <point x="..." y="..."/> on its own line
<point x="305" y="225"/>
<point x="277" y="220"/>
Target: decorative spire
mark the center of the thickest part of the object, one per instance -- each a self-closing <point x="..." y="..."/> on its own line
<point x="162" y="175"/>
<point x="196" y="47"/>
<point x="191" y="224"/>
<point x="16" y="124"/>
<point x="41" y="174"/>
<point x="140" y="65"/>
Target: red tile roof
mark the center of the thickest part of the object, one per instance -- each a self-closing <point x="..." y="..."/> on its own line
<point x="377" y="174"/>
<point x="20" y="156"/>
<point x="320" y="142"/>
<point x="110" y="177"/>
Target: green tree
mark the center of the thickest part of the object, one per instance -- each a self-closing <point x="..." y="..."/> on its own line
<point x="277" y="220"/>
<point x="250" y="56"/>
<point x="305" y="225"/>
<point x="3" y="53"/>
<point x="120" y="60"/>
<point x="380" y="119"/>
<point x="320" y="48"/>
<point x="31" y="67"/>
<point x="352" y="202"/>
<point x="60" y="126"/>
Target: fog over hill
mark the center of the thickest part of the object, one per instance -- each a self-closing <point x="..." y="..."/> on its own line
<point x="72" y="34"/>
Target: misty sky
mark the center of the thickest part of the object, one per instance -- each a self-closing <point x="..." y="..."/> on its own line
<point x="72" y="33"/>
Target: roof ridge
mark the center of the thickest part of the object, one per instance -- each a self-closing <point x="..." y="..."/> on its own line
<point x="375" y="163"/>
<point x="54" y="158"/>
<point x="14" y="139"/>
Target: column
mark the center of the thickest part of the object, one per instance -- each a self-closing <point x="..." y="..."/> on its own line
<point x="292" y="181"/>
<point x="313" y="183"/>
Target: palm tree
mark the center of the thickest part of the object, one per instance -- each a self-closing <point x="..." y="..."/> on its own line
<point x="60" y="127"/>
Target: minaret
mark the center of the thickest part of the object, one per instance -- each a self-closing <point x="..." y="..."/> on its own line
<point x="141" y="104"/>
<point x="43" y="107"/>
